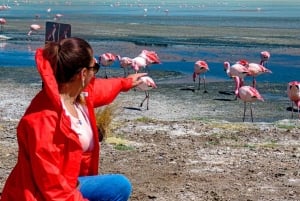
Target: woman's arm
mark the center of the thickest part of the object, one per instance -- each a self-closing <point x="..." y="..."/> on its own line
<point x="104" y="91"/>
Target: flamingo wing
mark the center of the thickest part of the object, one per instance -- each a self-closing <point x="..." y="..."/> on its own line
<point x="257" y="69"/>
<point x="293" y="91"/>
<point x="239" y="70"/>
<point x="125" y="62"/>
<point x="150" y="56"/>
<point x="249" y="94"/>
<point x="138" y="63"/>
<point x="200" y="67"/>
<point x="147" y="84"/>
<point x="107" y="59"/>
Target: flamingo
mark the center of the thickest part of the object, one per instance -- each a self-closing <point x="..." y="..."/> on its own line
<point x="254" y="70"/>
<point x="125" y="63"/>
<point x="145" y="86"/>
<point x="145" y="59"/>
<point x="33" y="27"/>
<point x="58" y="16"/>
<point x="2" y="23"/>
<point x="293" y="92"/>
<point x="107" y="59"/>
<point x="4" y="7"/>
<point x="264" y="56"/>
<point x="236" y="70"/>
<point x="200" y="67"/>
<point x="247" y="94"/>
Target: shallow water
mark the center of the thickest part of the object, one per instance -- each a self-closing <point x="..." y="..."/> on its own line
<point x="213" y="31"/>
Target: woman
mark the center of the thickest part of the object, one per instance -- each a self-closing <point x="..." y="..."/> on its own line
<point x="58" y="140"/>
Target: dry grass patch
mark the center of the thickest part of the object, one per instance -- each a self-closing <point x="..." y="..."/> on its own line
<point x="104" y="117"/>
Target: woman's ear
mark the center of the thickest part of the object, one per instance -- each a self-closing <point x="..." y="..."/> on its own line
<point x="83" y="75"/>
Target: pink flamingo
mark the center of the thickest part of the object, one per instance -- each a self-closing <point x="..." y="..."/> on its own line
<point x="247" y="94"/>
<point x="254" y="70"/>
<point x="293" y="92"/>
<point x="145" y="59"/>
<point x="33" y="27"/>
<point x="107" y="59"/>
<point x="125" y="63"/>
<point x="264" y="56"/>
<point x="146" y="85"/>
<point x="200" y="67"/>
<point x="236" y="70"/>
<point x="2" y="23"/>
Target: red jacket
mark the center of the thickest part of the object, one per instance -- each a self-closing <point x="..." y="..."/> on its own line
<point x="50" y="156"/>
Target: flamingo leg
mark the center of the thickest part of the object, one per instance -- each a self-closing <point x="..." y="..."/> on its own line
<point x="105" y="74"/>
<point x="146" y="98"/>
<point x="199" y="83"/>
<point x="251" y="112"/>
<point x="148" y="101"/>
<point x="236" y="96"/>
<point x="205" y="91"/>
<point x="244" y="111"/>
<point x="292" y="115"/>
<point x="254" y="82"/>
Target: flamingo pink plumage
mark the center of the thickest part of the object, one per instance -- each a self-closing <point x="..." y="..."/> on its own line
<point x="200" y="67"/>
<point x="293" y="92"/>
<point x="236" y="70"/>
<point x="147" y="84"/>
<point x="33" y="27"/>
<point x="264" y="56"/>
<point x="145" y="59"/>
<point x="247" y="94"/>
<point x="125" y="63"/>
<point x="107" y="59"/>
<point x="2" y="23"/>
<point x="254" y="70"/>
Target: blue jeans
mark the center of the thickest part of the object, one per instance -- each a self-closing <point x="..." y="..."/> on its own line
<point x="106" y="187"/>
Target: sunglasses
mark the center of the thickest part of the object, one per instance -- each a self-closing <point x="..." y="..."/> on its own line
<point x="95" y="68"/>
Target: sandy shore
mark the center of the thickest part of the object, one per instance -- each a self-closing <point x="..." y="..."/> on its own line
<point x="188" y="145"/>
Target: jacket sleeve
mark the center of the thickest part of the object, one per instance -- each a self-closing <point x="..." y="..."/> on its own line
<point x="104" y="91"/>
<point x="44" y="156"/>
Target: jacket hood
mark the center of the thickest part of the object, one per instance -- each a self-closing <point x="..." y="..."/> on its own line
<point x="49" y="82"/>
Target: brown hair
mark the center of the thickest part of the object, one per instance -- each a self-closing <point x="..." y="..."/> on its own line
<point x="68" y="57"/>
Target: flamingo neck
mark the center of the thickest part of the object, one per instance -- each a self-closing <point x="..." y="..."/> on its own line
<point x="237" y="85"/>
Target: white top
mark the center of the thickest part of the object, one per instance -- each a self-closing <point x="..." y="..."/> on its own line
<point x="82" y="126"/>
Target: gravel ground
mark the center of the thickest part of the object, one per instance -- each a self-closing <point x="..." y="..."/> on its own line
<point x="188" y="145"/>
